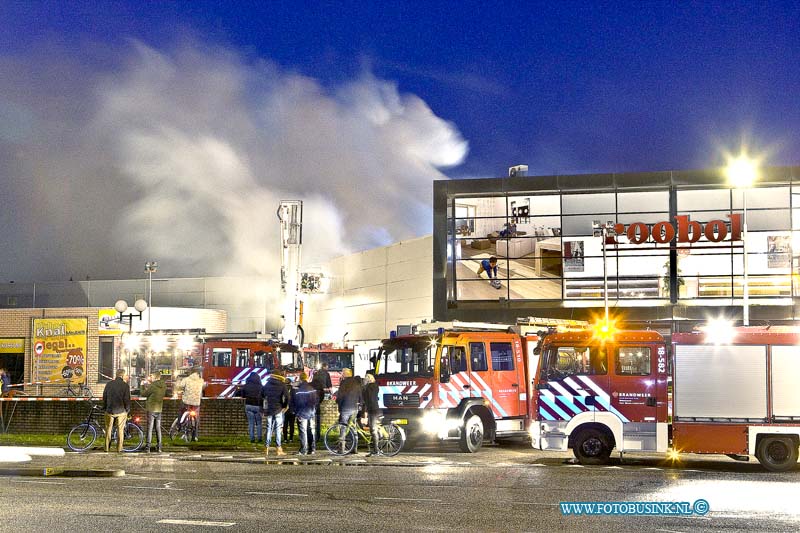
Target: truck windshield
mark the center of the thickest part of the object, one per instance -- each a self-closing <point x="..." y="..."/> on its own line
<point x="410" y="358"/>
<point x="337" y="361"/>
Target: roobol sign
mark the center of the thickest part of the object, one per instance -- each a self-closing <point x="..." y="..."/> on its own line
<point x="686" y="231"/>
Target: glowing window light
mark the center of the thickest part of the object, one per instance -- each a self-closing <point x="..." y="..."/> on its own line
<point x="158" y="343"/>
<point x="185" y="342"/>
<point x="131" y="342"/>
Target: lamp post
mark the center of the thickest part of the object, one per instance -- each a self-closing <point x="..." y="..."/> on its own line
<point x="604" y="230"/>
<point x="150" y="267"/>
<point x="742" y="172"/>
<point x="121" y="306"/>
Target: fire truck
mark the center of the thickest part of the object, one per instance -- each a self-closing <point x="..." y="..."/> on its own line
<point x="735" y="396"/>
<point x="227" y="362"/>
<point x="337" y="359"/>
<point x="458" y="381"/>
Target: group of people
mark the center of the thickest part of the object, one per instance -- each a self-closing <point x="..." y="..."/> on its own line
<point x="283" y="405"/>
<point x="116" y="404"/>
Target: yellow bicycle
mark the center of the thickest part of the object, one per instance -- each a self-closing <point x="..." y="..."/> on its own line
<point x="341" y="439"/>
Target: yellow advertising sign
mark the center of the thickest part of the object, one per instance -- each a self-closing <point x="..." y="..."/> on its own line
<point x="12" y="345"/>
<point x="58" y="349"/>
<point x="108" y="322"/>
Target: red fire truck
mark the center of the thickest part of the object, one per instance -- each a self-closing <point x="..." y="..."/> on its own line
<point x="337" y="358"/>
<point x="227" y="362"/>
<point x="735" y="396"/>
<point x="457" y="381"/>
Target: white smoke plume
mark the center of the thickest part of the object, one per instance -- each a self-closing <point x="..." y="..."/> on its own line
<point x="184" y="154"/>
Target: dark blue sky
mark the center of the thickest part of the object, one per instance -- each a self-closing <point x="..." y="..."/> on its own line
<point x="562" y="86"/>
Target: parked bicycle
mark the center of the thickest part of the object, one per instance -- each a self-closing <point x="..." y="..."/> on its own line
<point x="341" y="439"/>
<point x="183" y="427"/>
<point x="83" y="436"/>
<point x="78" y="391"/>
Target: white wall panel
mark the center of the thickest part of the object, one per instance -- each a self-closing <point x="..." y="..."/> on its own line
<point x="785" y="381"/>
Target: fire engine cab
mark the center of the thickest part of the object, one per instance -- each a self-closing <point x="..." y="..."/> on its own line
<point x="457" y="381"/>
<point x="735" y="395"/>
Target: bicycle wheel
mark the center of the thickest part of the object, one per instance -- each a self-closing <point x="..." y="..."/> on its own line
<point x="340" y="439"/>
<point x="175" y="429"/>
<point x="391" y="440"/>
<point x="81" y="437"/>
<point x="133" y="439"/>
<point x="86" y="392"/>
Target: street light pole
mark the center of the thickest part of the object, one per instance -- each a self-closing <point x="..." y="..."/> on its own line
<point x="742" y="172"/>
<point x="604" y="231"/>
<point x="746" y="288"/>
<point x="150" y="267"/>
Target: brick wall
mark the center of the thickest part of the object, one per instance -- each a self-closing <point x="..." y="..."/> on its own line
<point x="218" y="417"/>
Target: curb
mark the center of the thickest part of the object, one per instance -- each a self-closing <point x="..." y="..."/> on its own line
<point x="60" y="472"/>
<point x="311" y="462"/>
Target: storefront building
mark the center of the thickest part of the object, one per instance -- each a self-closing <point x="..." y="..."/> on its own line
<point x="674" y="248"/>
<point x="46" y="349"/>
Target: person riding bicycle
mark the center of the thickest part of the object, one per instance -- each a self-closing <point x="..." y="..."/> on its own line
<point x="191" y="388"/>
<point x="373" y="409"/>
<point x="348" y="397"/>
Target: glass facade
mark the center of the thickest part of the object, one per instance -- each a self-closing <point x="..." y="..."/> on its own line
<point x="547" y="249"/>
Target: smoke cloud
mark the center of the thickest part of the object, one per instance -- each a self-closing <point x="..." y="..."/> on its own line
<point x="183" y="155"/>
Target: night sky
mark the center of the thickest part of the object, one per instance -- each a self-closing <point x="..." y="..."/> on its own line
<point x="391" y="96"/>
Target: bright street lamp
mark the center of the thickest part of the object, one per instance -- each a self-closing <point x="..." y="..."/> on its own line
<point x="742" y="173"/>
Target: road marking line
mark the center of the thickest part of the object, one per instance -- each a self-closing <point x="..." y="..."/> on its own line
<point x="535" y="503"/>
<point x="196" y="523"/>
<point x="277" y="494"/>
<point x="409" y="499"/>
<point x="43" y="482"/>
<point x="149" y="488"/>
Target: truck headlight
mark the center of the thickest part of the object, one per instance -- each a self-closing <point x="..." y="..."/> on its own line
<point x="432" y="421"/>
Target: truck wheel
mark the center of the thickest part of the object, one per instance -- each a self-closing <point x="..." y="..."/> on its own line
<point x="777" y="454"/>
<point x="471" y="435"/>
<point x="591" y="447"/>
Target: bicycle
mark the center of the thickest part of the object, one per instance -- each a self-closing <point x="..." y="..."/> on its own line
<point x="342" y="439"/>
<point x="183" y="427"/>
<point x="82" y="390"/>
<point x="83" y="436"/>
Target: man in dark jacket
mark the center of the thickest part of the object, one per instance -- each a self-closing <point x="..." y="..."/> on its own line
<point x="276" y="397"/>
<point x="348" y="397"/>
<point x="373" y="409"/>
<point x="253" y="394"/>
<point x="154" y="390"/>
<point x="116" y="404"/>
<point x="322" y="384"/>
<point x="304" y="402"/>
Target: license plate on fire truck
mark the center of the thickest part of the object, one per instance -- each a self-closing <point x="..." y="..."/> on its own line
<point x="401" y="400"/>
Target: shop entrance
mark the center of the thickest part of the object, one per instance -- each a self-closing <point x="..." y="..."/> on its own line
<point x="14" y="363"/>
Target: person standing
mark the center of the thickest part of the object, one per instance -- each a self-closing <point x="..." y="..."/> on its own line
<point x="305" y="404"/>
<point x="276" y="398"/>
<point x="322" y="384"/>
<point x="253" y="394"/>
<point x="191" y="389"/>
<point x="5" y="382"/>
<point x="289" y="418"/>
<point x="154" y="390"/>
<point x="116" y="404"/>
<point x="372" y="407"/>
